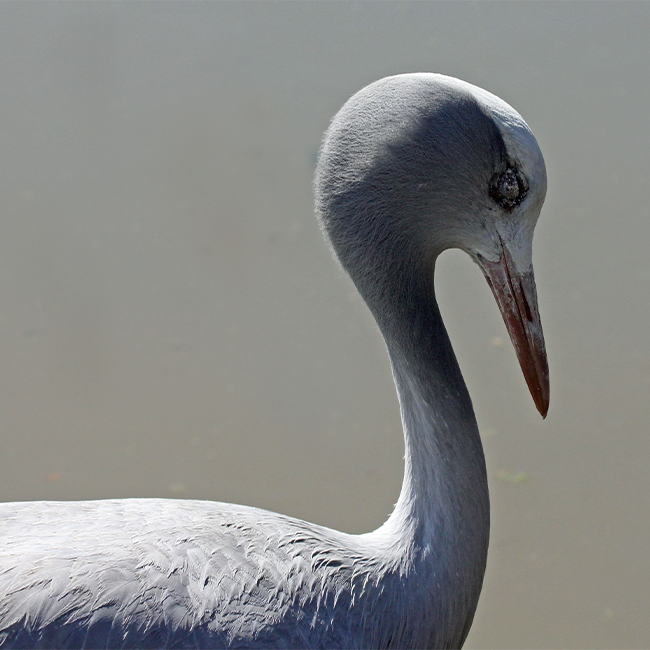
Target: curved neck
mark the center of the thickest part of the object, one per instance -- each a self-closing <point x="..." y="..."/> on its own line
<point x="444" y="473"/>
<point x="438" y="532"/>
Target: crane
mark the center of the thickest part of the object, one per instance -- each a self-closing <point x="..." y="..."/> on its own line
<point x="410" y="166"/>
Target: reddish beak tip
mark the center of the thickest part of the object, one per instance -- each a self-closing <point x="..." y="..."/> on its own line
<point x="542" y="402"/>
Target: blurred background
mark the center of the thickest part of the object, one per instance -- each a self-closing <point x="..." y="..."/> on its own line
<point x="172" y="325"/>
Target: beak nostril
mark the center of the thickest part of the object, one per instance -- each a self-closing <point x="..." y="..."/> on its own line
<point x="529" y="314"/>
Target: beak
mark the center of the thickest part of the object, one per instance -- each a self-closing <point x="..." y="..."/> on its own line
<point x="516" y="296"/>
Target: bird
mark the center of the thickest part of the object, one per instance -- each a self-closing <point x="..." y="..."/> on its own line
<point x="411" y="165"/>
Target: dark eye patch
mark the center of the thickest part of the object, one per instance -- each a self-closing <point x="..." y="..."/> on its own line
<point x="509" y="188"/>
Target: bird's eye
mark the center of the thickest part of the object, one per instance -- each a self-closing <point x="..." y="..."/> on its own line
<point x="508" y="188"/>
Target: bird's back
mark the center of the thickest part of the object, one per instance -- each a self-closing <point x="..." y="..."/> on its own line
<point x="167" y="573"/>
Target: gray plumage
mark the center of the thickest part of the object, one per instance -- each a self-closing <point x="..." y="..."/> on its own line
<point x="410" y="166"/>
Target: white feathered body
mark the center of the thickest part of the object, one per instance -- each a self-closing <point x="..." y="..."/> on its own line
<point x="170" y="573"/>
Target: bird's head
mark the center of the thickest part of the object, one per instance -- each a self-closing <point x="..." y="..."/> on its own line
<point x="415" y="164"/>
